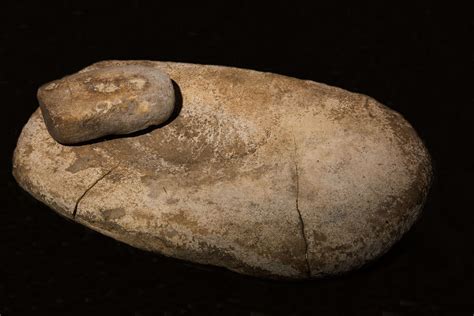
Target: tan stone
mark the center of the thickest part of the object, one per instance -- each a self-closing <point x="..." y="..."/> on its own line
<point x="106" y="101"/>
<point x="259" y="173"/>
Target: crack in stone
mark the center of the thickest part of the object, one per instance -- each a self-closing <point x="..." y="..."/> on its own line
<point x="303" y="233"/>
<point x="89" y="188"/>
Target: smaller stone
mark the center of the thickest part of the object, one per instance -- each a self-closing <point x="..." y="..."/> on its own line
<point x="106" y="101"/>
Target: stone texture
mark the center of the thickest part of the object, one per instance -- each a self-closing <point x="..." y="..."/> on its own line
<point x="260" y="173"/>
<point x="106" y="101"/>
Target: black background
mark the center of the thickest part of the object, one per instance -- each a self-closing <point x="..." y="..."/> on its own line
<point x="417" y="60"/>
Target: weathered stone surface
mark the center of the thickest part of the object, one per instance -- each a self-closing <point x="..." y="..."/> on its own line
<point x="260" y="173"/>
<point x="106" y="101"/>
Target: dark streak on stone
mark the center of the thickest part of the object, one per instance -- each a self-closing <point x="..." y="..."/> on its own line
<point x="367" y="107"/>
<point x="89" y="188"/>
<point x="303" y="233"/>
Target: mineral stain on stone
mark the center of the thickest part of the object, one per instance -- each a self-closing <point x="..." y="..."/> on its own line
<point x="111" y="214"/>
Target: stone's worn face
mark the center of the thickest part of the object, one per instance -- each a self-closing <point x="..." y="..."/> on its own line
<point x="263" y="174"/>
<point x="107" y="101"/>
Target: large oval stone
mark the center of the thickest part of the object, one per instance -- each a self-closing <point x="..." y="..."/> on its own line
<point x="259" y="173"/>
<point x="106" y="101"/>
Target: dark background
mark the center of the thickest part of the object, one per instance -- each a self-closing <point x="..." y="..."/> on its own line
<point x="417" y="60"/>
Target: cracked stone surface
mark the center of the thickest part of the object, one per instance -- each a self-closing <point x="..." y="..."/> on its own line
<point x="260" y="173"/>
<point x="303" y="231"/>
<point x="89" y="188"/>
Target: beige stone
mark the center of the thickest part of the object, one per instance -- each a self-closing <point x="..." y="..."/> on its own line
<point x="260" y="173"/>
<point x="106" y="101"/>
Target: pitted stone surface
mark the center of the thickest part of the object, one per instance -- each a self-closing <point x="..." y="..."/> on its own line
<point x="106" y="101"/>
<point x="259" y="173"/>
